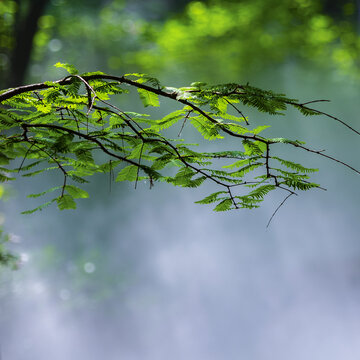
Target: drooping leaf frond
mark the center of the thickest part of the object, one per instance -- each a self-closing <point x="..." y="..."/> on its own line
<point x="70" y="125"/>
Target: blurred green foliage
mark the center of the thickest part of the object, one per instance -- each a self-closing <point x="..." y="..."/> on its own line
<point x="231" y="37"/>
<point x="212" y="39"/>
<point x="7" y="16"/>
<point x="89" y="37"/>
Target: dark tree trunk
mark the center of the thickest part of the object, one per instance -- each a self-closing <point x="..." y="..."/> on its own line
<point x="24" y="32"/>
<point x="333" y="8"/>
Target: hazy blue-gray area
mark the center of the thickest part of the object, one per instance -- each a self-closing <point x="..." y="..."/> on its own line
<point x="148" y="274"/>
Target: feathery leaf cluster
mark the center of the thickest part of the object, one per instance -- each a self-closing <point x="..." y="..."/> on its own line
<point x="62" y="126"/>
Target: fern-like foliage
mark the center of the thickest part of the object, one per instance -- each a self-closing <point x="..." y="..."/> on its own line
<point x="63" y="125"/>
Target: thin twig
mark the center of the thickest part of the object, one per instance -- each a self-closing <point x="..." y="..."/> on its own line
<point x="276" y="210"/>
<point x="138" y="169"/>
<point x="232" y="198"/>
<point x="110" y="173"/>
<point x="183" y="124"/>
<point x="314" y="101"/>
<point x="327" y="156"/>
<point x="24" y="158"/>
<point x="267" y="160"/>
<point x="242" y="115"/>
<point x="64" y="186"/>
<point x="322" y="113"/>
<point x="89" y="89"/>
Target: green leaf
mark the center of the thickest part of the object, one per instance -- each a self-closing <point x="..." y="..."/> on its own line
<point x="207" y="129"/>
<point x="29" y="166"/>
<point x="286" y="141"/>
<point x="66" y="202"/>
<point x="259" y="129"/>
<point x="39" y="208"/>
<point x="84" y="155"/>
<point x="306" y="111"/>
<point x="238" y="129"/>
<point x="145" y="78"/>
<point x="62" y="143"/>
<point x="298" y="184"/>
<point x="254" y="147"/>
<point x="224" y="205"/>
<point x="6" y="121"/>
<point x="33" y="173"/>
<point x="76" y="192"/>
<point x="77" y="178"/>
<point x="184" y="178"/>
<point x="234" y="118"/>
<point x="221" y="105"/>
<point x="4" y="160"/>
<point x="71" y="69"/>
<point x="211" y="198"/>
<point x="45" y="192"/>
<point x="4" y="178"/>
<point x="198" y="84"/>
<point x="168" y="120"/>
<point x="242" y="162"/>
<point x="162" y="161"/>
<point x="193" y="183"/>
<point x="244" y="170"/>
<point x="295" y="166"/>
<point x="138" y="151"/>
<point x="227" y="154"/>
<point x="148" y="98"/>
<point x="116" y="121"/>
<point x="128" y="173"/>
<point x="261" y="191"/>
<point x="247" y="202"/>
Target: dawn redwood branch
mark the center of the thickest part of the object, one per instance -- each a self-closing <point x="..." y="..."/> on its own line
<point x="122" y="79"/>
<point x="93" y="111"/>
<point x="321" y="153"/>
<point x="105" y="150"/>
<point x="322" y="113"/>
<point x="85" y="136"/>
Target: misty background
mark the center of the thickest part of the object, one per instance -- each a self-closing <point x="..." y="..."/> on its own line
<point x="148" y="274"/>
